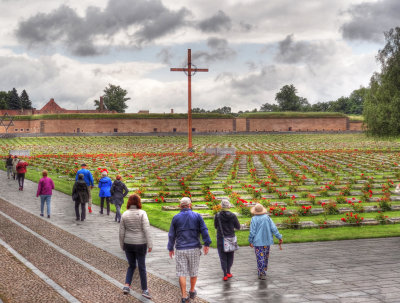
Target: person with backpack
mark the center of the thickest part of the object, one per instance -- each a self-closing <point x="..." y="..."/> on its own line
<point x="88" y="177"/>
<point x="118" y="192"/>
<point x="21" y="171"/>
<point x="80" y="195"/>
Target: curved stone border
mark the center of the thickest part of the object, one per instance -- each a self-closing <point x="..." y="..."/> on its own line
<point x="69" y="255"/>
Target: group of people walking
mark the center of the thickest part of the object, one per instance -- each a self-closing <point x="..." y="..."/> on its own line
<point x="110" y="193"/>
<point x="16" y="169"/>
<point x="183" y="236"/>
<point x="184" y="242"/>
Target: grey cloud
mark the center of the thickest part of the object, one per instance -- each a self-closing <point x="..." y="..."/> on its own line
<point x="220" y="21"/>
<point x="78" y="34"/>
<point x="246" y="27"/>
<point x="370" y="20"/>
<point x="267" y="78"/>
<point x="20" y="72"/>
<point x="290" y="51"/>
<point x="165" y="23"/>
<point x="165" y="55"/>
<point x="219" y="51"/>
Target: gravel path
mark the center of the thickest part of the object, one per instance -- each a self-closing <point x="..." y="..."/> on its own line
<point x="59" y="267"/>
<point x="19" y="284"/>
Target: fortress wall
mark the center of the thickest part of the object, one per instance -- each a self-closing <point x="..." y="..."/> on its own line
<point x="298" y="124"/>
<point x="180" y="125"/>
<point x="120" y="125"/>
<point x="356" y="126"/>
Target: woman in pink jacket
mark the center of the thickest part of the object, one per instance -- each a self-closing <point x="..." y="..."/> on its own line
<point x="45" y="190"/>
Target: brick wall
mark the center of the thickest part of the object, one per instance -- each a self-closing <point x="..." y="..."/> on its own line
<point x="298" y="124"/>
<point x="180" y="125"/>
<point x="356" y="126"/>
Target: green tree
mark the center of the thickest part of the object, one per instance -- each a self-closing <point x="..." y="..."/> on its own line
<point x="3" y="100"/>
<point x="222" y="110"/>
<point x="382" y="102"/>
<point x="25" y="101"/>
<point x="114" y="99"/>
<point x="13" y="100"/>
<point x="289" y="101"/>
<point x="268" y="107"/>
<point x="198" y="110"/>
<point x="357" y="98"/>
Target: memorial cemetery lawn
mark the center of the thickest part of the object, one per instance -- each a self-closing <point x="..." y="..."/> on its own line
<point x="316" y="187"/>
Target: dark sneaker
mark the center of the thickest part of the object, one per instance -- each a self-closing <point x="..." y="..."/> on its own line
<point x="263" y="277"/>
<point x="146" y="294"/>
<point x="192" y="294"/>
<point x="185" y="300"/>
<point x="126" y="290"/>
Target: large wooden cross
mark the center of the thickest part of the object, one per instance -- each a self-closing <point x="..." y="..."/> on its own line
<point x="190" y="71"/>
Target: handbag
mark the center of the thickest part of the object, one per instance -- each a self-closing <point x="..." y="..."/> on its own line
<point x="230" y="243"/>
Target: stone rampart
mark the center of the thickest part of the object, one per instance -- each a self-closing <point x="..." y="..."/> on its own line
<point x="168" y="125"/>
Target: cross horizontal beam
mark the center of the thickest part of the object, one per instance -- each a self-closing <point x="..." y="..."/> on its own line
<point x="187" y="69"/>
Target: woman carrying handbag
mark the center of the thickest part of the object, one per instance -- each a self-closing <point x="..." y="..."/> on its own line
<point x="225" y="223"/>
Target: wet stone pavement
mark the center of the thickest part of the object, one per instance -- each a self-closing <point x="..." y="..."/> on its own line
<point x="338" y="271"/>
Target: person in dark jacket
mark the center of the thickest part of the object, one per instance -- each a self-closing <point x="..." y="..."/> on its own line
<point x="184" y="233"/>
<point x="80" y="194"/>
<point x="21" y="171"/>
<point x="9" y="166"/>
<point x="88" y="177"/>
<point x="229" y="222"/>
<point x="118" y="192"/>
<point x="105" y="184"/>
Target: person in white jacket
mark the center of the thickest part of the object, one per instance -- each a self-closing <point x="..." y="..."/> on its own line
<point x="135" y="239"/>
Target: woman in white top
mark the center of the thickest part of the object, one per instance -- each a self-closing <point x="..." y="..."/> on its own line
<point x="135" y="240"/>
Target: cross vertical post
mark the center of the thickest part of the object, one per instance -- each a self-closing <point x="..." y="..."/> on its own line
<point x="190" y="71"/>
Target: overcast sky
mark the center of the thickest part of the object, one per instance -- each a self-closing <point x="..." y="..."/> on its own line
<point x="71" y="50"/>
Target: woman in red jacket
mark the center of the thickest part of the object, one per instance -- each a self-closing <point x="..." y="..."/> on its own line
<point x="21" y="170"/>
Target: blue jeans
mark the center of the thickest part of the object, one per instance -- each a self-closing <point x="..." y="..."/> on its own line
<point x="47" y="199"/>
<point x="136" y="252"/>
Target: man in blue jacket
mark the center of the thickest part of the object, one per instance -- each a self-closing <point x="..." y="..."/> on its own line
<point x="87" y="176"/>
<point x="184" y="235"/>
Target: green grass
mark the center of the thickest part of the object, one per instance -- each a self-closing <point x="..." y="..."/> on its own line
<point x="277" y="115"/>
<point x="122" y="116"/>
<point x="356" y="118"/>
<point x="382" y="164"/>
<point x="162" y="220"/>
<point x="340" y="233"/>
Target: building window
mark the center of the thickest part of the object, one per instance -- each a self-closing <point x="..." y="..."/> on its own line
<point x="115" y="130"/>
<point x="27" y="129"/>
<point x="22" y="129"/>
<point x="290" y="129"/>
<point x="155" y="129"/>
<point x="16" y="129"/>
<point x="193" y="129"/>
<point x="174" y="130"/>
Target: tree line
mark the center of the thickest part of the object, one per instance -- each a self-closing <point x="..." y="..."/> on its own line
<point x="11" y="100"/>
<point x="288" y="100"/>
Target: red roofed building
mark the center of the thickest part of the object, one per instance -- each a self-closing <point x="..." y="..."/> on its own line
<point x="52" y="107"/>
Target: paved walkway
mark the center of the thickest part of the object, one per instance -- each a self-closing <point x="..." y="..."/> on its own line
<point x="338" y="271"/>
